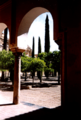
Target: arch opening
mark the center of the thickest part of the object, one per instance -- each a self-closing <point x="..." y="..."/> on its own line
<point x="5" y="82"/>
<point x="25" y="28"/>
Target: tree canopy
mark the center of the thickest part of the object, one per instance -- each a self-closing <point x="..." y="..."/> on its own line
<point x="7" y="60"/>
<point x="56" y="60"/>
<point x="52" y="59"/>
<point x="26" y="63"/>
<point x="45" y="61"/>
<point x="37" y="65"/>
<point x="29" y="64"/>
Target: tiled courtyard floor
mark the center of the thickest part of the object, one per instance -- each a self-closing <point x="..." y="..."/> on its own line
<point x="30" y="99"/>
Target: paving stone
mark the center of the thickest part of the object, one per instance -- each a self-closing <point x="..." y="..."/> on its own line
<point x="30" y="99"/>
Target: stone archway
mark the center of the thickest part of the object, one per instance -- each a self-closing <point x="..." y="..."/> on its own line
<point x="29" y="18"/>
<point x="4" y="75"/>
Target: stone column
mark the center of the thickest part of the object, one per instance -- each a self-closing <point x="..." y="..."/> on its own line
<point x="63" y="39"/>
<point x="16" y="93"/>
<point x="62" y="71"/>
<point x="17" y="66"/>
<point x="61" y="43"/>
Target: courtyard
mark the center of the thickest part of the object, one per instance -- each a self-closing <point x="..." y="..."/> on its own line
<point x="36" y="96"/>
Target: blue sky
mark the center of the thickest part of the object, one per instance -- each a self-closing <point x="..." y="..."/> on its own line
<point x="37" y="29"/>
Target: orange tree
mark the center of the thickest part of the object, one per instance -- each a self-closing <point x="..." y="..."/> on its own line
<point x="37" y="65"/>
<point x="25" y="64"/>
<point x="32" y="65"/>
<point x="7" y="60"/>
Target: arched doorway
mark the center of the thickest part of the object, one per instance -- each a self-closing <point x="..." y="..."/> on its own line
<point x="5" y="83"/>
<point x="28" y="19"/>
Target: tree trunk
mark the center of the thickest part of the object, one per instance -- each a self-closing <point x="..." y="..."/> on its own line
<point x="25" y="76"/>
<point x="2" y="77"/>
<point x="12" y="76"/>
<point x="46" y="74"/>
<point x="40" y="77"/>
<point x="33" y="74"/>
<point x="52" y="74"/>
<point x="58" y="77"/>
<point x="33" y="80"/>
<point x="55" y="73"/>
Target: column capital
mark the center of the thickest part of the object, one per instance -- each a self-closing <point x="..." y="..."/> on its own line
<point x="17" y="51"/>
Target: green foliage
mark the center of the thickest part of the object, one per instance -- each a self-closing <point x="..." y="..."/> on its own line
<point x="56" y="60"/>
<point x="45" y="61"/>
<point x="26" y="63"/>
<point x="48" y="69"/>
<point x="52" y="60"/>
<point x="7" y="60"/>
<point x="24" y="54"/>
<point x="37" y="65"/>
<point x="47" y="57"/>
<point x="31" y="64"/>
<point x="42" y="55"/>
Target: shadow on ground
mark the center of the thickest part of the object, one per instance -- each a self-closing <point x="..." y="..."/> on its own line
<point x="41" y="114"/>
<point x="48" y="114"/>
<point x="7" y="85"/>
<point x="25" y="86"/>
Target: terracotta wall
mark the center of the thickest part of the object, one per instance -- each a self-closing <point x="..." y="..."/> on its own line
<point x="69" y="13"/>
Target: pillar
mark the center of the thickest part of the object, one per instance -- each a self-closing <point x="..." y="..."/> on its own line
<point x="13" y="36"/>
<point x="16" y="93"/>
<point x="63" y="86"/>
<point x="62" y="47"/>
